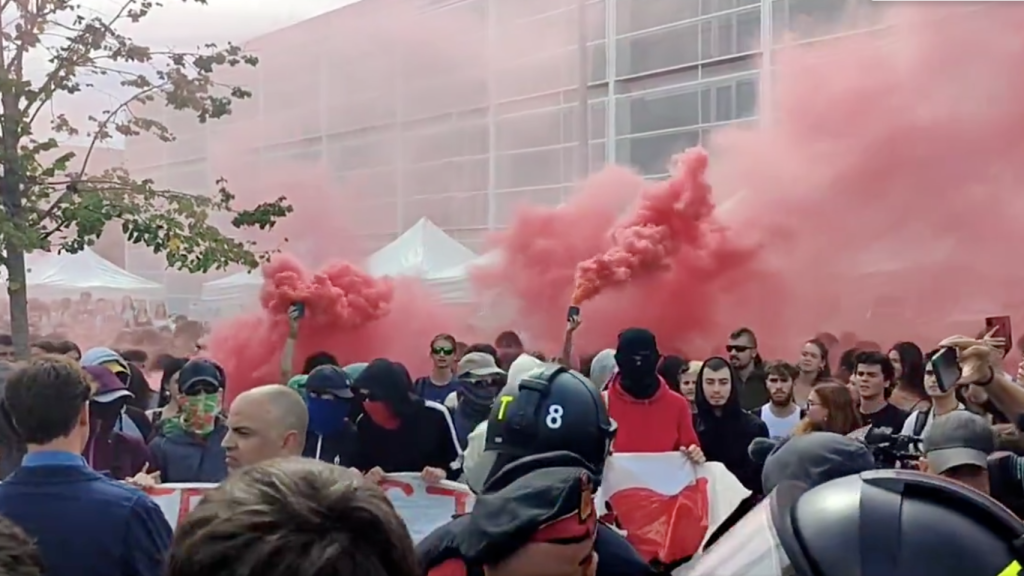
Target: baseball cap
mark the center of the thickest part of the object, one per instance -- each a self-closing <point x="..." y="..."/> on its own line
<point x="814" y="459"/>
<point x="200" y="370"/>
<point x="108" y="386"/>
<point x="329" y="380"/>
<point x="958" y="439"/>
<point x="479" y="364"/>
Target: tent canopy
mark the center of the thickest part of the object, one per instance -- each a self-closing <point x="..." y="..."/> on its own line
<point x="239" y="286"/>
<point x="452" y="285"/>
<point x="421" y="251"/>
<point x="54" y="276"/>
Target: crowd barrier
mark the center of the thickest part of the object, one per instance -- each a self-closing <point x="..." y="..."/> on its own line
<point x="665" y="506"/>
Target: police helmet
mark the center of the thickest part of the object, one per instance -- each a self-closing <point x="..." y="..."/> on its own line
<point x="551" y="409"/>
<point x="877" y="522"/>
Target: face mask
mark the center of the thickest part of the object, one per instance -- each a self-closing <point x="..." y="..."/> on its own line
<point x="327" y="415"/>
<point x="478" y="393"/>
<point x="199" y="413"/>
<point x="381" y="414"/>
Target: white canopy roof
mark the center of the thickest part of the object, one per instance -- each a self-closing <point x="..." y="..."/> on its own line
<point x="453" y="286"/>
<point x="53" y="276"/>
<point x="239" y="286"/>
<point x="422" y="250"/>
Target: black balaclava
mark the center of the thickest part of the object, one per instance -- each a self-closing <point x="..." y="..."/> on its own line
<point x="637" y="359"/>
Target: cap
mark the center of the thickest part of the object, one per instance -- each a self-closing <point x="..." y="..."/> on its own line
<point x="549" y="504"/>
<point x="329" y="380"/>
<point x="108" y="386"/>
<point x="479" y="364"/>
<point x="298" y="383"/>
<point x="958" y="439"/>
<point x="815" y="458"/>
<point x="200" y="370"/>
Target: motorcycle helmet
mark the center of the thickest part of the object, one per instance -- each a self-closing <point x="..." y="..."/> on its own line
<point x="882" y="522"/>
<point x="551" y="409"/>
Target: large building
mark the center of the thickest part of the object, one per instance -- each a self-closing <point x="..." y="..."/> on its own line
<point x="462" y="110"/>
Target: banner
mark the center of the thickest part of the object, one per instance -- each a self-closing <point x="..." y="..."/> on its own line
<point x="665" y="506"/>
<point x="423" y="506"/>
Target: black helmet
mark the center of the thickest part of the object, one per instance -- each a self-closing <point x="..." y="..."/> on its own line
<point x="877" y="522"/>
<point x="551" y="409"/>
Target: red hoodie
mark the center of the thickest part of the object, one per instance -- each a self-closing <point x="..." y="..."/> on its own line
<point x="662" y="423"/>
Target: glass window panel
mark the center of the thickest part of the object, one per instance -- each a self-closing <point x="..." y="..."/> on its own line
<point x="637" y="15"/>
<point x="662" y="110"/>
<point x="379" y="184"/>
<point x="748" y="31"/>
<point x="507" y="10"/>
<point x="746" y="97"/>
<point x="728" y="67"/>
<point x="659" y="50"/>
<point x="474" y="174"/>
<point x="714" y="6"/>
<point x="730" y="34"/>
<point x="530" y="169"/>
<point x="597" y="122"/>
<point x="429" y="179"/>
<point x="816" y="18"/>
<point x="534" y="130"/>
<point x="651" y="154"/>
<point x="374" y="218"/>
<point x="508" y="204"/>
<point x="475" y="140"/>
<point x="724" y="104"/>
<point x="547" y="73"/>
<point x="359" y="154"/>
<point x="597" y="21"/>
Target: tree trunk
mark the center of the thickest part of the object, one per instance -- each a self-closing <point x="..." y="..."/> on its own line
<point x="17" y="290"/>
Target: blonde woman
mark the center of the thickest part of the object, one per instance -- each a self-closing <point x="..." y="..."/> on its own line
<point x="688" y="380"/>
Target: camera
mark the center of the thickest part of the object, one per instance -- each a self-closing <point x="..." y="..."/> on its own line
<point x="893" y="450"/>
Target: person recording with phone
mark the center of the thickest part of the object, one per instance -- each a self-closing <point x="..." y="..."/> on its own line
<point x="981" y="372"/>
<point x="943" y="399"/>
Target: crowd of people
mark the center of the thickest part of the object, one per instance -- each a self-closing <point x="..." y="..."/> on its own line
<point x="84" y="436"/>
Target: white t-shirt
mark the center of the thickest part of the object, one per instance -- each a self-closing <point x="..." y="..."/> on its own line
<point x="779" y="427"/>
<point x="911" y="422"/>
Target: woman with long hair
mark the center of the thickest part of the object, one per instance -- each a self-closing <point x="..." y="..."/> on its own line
<point x="909" y="394"/>
<point x="814" y="369"/>
<point x="830" y="408"/>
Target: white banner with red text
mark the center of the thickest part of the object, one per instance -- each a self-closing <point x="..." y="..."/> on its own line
<point x="423" y="506"/>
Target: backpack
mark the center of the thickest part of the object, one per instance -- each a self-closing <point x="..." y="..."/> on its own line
<point x="920" y="422"/>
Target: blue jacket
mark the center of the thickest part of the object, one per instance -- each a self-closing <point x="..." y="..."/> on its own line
<point x="184" y="457"/>
<point x="84" y="523"/>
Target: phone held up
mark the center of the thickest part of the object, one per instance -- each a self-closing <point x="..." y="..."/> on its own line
<point x="947" y="369"/>
<point x="999" y="326"/>
<point x="574" y="313"/>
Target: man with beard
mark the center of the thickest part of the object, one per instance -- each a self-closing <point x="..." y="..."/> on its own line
<point x="781" y="415"/>
<point x="742" y="350"/>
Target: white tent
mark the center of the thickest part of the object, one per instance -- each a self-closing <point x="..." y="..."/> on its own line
<point x="453" y="286"/>
<point x="230" y="294"/>
<point x="422" y="250"/>
<point x="54" y="276"/>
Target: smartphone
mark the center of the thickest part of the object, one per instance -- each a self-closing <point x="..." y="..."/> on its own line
<point x="947" y="369"/>
<point x="574" y="313"/>
<point x="1001" y="325"/>
<point x="300" y="308"/>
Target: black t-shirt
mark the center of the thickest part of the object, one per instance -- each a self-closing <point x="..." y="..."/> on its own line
<point x="888" y="417"/>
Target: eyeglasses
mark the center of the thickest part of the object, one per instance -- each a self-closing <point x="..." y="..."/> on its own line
<point x="201" y="387"/>
<point x="442" y="351"/>
<point x="737" y="348"/>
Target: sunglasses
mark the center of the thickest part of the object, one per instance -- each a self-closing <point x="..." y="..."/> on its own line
<point x="736" y="348"/>
<point x="201" y="387"/>
<point x="442" y="351"/>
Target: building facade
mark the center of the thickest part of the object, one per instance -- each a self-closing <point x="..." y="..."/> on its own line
<point x="467" y="109"/>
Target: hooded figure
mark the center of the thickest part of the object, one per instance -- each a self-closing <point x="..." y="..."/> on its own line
<point x="398" y="431"/>
<point x="108" y="450"/>
<point x="331" y="436"/>
<point x="132" y="421"/>
<point x="480" y="382"/>
<point x="725" y="430"/>
<point x="189" y="450"/>
<point x="637" y="359"/>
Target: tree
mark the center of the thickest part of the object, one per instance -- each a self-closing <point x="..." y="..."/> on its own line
<point x="44" y="207"/>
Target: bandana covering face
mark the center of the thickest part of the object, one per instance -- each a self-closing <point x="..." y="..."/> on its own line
<point x="199" y="413"/>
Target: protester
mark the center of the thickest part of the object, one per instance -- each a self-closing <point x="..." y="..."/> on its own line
<point x="482" y="347"/>
<point x="688" y="381"/>
<point x="909" y="393"/>
<point x="651" y="417"/>
<point x="603" y="368"/>
<point x="293" y="517"/>
<point x="509" y="346"/>
<point x="830" y="409"/>
<point x="401" y="432"/>
<point x="108" y="450"/>
<point x="12" y="446"/>
<point x="264" y="423"/>
<point x="957" y="446"/>
<point x="480" y="380"/>
<point x="330" y="401"/>
<point x="743" y="355"/>
<point x="19" y="555"/>
<point x="133" y="419"/>
<point x="942" y="403"/>
<point x="874" y="373"/>
<point x="724" y="428"/>
<point x="814" y="459"/>
<point x="168" y="406"/>
<point x="781" y="415"/>
<point x="84" y="524"/>
<point x="188" y="449"/>
<point x="814" y="369"/>
<point x="847" y="365"/>
<point x="441" y="382"/>
<point x="670" y="369"/>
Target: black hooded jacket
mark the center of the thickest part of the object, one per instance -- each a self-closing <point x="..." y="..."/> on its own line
<point x="423" y="438"/>
<point x="725" y="438"/>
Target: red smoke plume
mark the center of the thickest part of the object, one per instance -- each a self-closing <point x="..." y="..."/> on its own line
<point x="670" y="214"/>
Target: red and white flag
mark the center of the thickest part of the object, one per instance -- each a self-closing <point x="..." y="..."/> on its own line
<point x="666" y="506"/>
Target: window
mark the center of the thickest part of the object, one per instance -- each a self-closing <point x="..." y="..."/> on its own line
<point x="349" y="114"/>
<point x="659" y="50"/>
<point x="508" y="204"/>
<point x="547" y="73"/>
<point x="429" y="179"/>
<point x="530" y="169"/>
<point x="597" y="121"/>
<point x="374" y="217"/>
<point x="730" y="34"/>
<point x="474" y="174"/>
<point x="596" y="160"/>
<point x="380" y="184"/>
<point x="814" y="18"/>
<point x="185" y="148"/>
<point x="662" y="110"/>
<point x="191" y="177"/>
<point x="597" y="20"/>
<point x="637" y="15"/>
<point x="733" y="100"/>
<point x="369" y="151"/>
<point x="512" y="10"/>
<point x="308" y="150"/>
<point x="651" y="154"/>
<point x="448" y="210"/>
<point x="533" y="130"/>
<point x="708" y="7"/>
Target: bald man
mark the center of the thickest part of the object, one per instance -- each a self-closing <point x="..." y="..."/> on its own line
<point x="263" y="423"/>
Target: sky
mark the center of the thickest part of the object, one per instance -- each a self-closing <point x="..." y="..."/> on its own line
<point x="183" y="25"/>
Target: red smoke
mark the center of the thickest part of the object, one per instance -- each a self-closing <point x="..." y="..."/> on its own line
<point x="670" y="214"/>
<point x="348" y="313"/>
